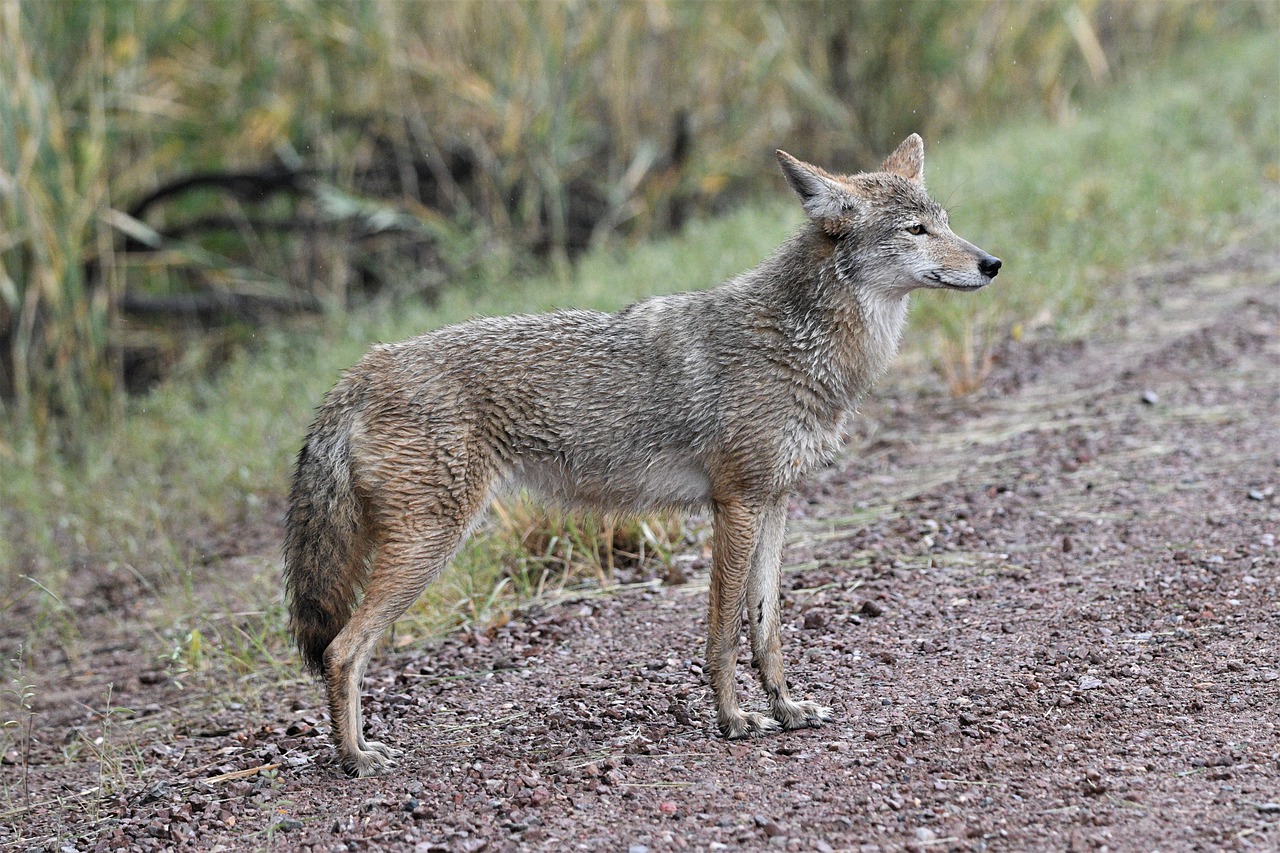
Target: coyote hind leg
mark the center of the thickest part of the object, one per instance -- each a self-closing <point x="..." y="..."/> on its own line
<point x="401" y="571"/>
<point x="420" y="530"/>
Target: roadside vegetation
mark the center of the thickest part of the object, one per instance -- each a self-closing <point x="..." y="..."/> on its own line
<point x="1178" y="158"/>
<point x="177" y="174"/>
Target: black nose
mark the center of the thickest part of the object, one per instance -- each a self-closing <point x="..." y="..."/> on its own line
<point x="989" y="266"/>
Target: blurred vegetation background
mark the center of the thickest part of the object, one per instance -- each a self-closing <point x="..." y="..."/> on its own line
<point x="175" y="174"/>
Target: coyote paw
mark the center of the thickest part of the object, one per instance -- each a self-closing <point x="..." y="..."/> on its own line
<point x="377" y="758"/>
<point x="801" y="715"/>
<point x="387" y="752"/>
<point x="745" y="723"/>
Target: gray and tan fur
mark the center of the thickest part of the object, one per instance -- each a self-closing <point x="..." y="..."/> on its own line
<point x="724" y="398"/>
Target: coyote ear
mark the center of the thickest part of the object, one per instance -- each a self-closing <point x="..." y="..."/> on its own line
<point x="907" y="160"/>
<point x="821" y="194"/>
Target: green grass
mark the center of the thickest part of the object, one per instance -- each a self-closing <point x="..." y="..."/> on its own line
<point x="1181" y="160"/>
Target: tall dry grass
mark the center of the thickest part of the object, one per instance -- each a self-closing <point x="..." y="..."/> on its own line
<point x="53" y="187"/>
<point x="484" y="129"/>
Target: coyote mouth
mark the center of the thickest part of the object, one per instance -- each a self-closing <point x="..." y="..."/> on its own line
<point x="936" y="280"/>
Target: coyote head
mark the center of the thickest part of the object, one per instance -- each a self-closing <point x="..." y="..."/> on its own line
<point x="887" y="233"/>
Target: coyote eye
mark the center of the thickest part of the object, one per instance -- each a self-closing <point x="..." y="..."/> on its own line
<point x="917" y="229"/>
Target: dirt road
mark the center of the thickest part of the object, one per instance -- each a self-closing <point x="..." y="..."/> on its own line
<point x="1047" y="617"/>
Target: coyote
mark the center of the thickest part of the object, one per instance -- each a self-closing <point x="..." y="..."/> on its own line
<point x="723" y="398"/>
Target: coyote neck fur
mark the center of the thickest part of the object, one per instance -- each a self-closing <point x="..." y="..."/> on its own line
<point x="842" y="326"/>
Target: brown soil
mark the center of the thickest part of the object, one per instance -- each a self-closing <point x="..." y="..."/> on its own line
<point x="1046" y="616"/>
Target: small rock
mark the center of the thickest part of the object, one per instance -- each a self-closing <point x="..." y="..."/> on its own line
<point x="1268" y="808"/>
<point x="814" y="619"/>
<point x="925" y="835"/>
<point x="289" y="824"/>
<point x="1094" y="785"/>
<point x="638" y="848"/>
<point x="667" y="807"/>
<point x="871" y="608"/>
<point x="155" y="792"/>
<point x="1150" y="397"/>
<point x="769" y="827"/>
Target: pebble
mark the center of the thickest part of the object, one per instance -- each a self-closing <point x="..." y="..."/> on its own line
<point x="769" y="827"/>
<point x="1094" y="784"/>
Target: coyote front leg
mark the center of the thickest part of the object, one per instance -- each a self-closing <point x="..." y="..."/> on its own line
<point x="764" y="604"/>
<point x="734" y="541"/>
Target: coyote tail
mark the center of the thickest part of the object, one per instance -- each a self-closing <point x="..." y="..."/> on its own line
<point x="325" y="541"/>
